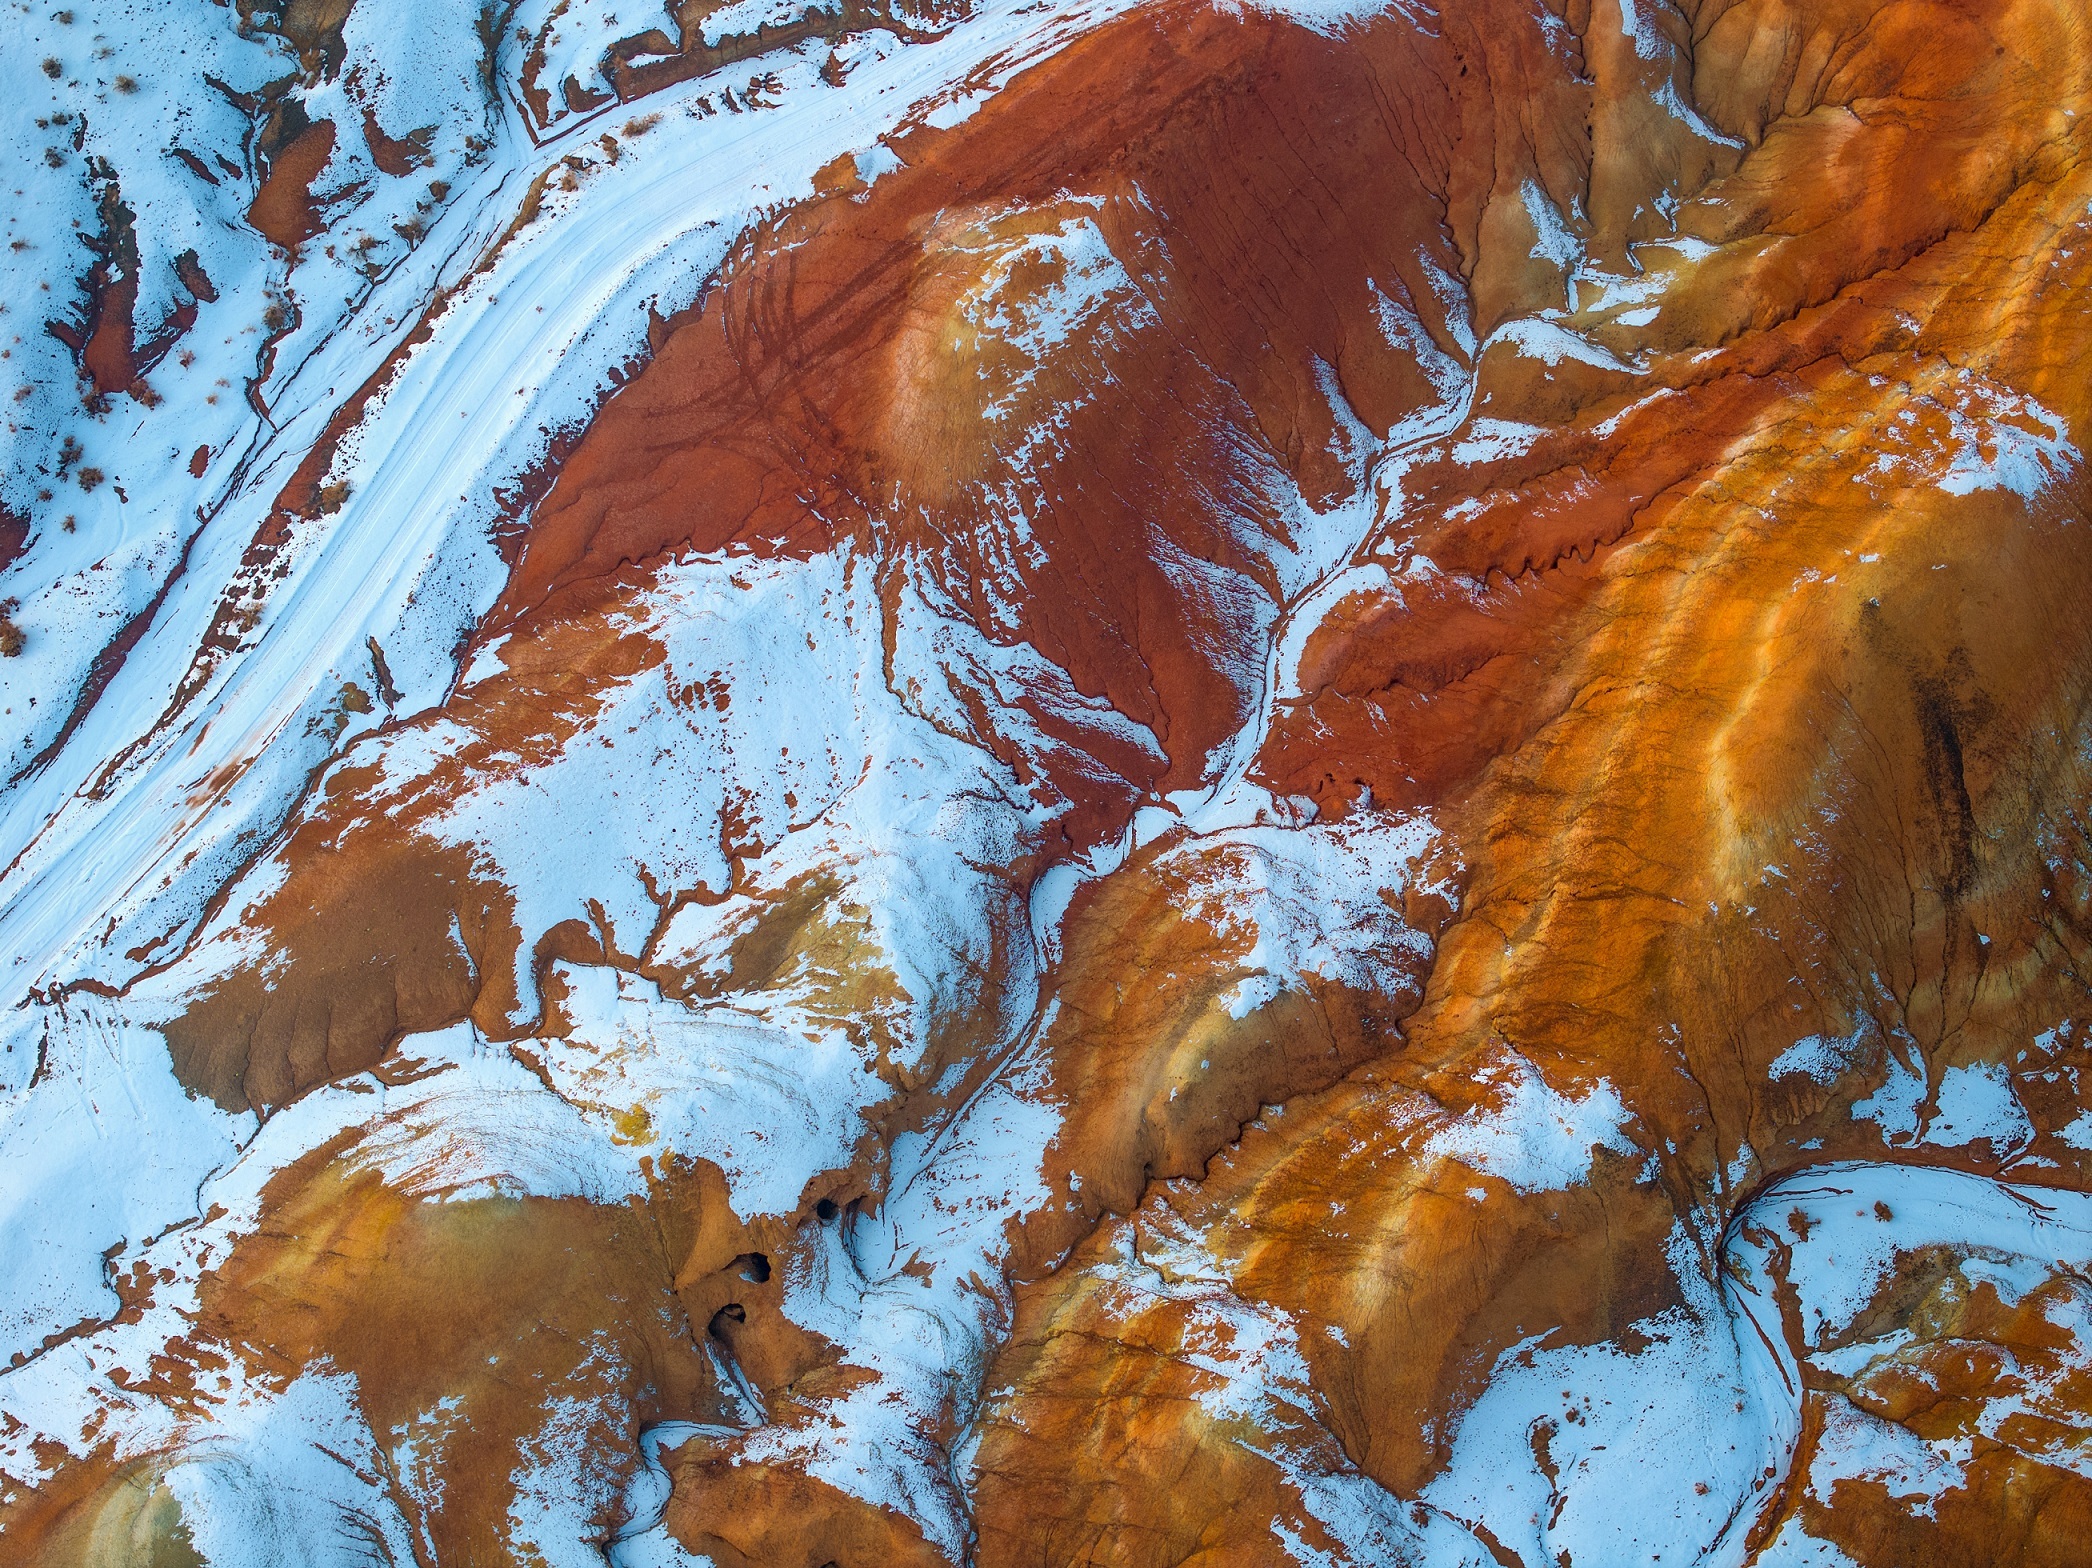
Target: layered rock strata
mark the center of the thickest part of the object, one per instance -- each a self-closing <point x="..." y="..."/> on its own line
<point x="1197" y="784"/>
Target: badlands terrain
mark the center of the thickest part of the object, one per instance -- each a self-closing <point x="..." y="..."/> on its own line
<point x="893" y="783"/>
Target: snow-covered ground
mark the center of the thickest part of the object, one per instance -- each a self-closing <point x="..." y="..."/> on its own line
<point x="114" y="845"/>
<point x="520" y="343"/>
<point x="503" y="305"/>
<point x="117" y="840"/>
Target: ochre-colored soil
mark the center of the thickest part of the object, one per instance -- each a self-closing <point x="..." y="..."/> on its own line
<point x="1741" y="720"/>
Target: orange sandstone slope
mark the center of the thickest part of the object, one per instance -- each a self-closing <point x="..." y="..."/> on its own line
<point x="1315" y="794"/>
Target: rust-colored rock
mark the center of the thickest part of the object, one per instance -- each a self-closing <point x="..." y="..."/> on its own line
<point x="1318" y="793"/>
<point x="283" y="207"/>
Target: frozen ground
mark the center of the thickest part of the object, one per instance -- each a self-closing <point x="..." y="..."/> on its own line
<point x="199" y="746"/>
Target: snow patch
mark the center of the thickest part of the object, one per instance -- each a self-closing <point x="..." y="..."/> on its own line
<point x="1820" y="1057"/>
<point x="1550" y="343"/>
<point x="1976" y="1103"/>
<point x="1533" y="1137"/>
<point x="1599" y="1454"/>
<point x="1553" y="239"/>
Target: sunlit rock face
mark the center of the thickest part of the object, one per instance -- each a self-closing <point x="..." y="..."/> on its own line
<point x="1046" y="783"/>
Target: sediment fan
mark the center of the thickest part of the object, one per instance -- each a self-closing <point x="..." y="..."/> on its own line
<point x="1046" y="782"/>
